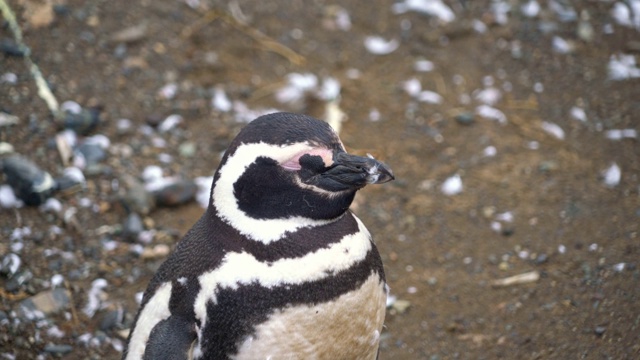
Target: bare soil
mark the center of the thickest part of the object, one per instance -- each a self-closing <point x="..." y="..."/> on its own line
<point x="440" y="251"/>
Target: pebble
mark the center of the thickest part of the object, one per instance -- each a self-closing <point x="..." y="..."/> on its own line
<point x="137" y="199"/>
<point x="10" y="48"/>
<point x="541" y="259"/>
<point x="599" y="330"/>
<point x="30" y="183"/>
<point x="465" y="118"/>
<point x="187" y="149"/>
<point x="132" y="226"/>
<point x="46" y="302"/>
<point x="112" y="318"/>
<point x="58" y="349"/>
<point x="82" y="123"/>
<point x="18" y="280"/>
<point x="89" y="154"/>
<point x="176" y="193"/>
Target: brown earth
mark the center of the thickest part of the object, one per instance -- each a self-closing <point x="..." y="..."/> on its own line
<point x="440" y="252"/>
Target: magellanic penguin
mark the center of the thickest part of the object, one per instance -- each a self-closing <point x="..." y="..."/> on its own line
<point x="277" y="267"/>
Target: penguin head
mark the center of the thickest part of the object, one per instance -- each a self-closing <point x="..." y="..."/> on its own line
<point x="292" y="168"/>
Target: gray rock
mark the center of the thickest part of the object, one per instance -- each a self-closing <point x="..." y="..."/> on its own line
<point x="58" y="349"/>
<point x="44" y="303"/>
<point x="132" y="226"/>
<point x="30" y="183"/>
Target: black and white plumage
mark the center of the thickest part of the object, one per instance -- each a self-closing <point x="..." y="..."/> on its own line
<point x="277" y="267"/>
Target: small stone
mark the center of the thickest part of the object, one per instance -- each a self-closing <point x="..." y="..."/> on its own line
<point x="541" y="259"/>
<point x="58" y="349"/>
<point x="465" y="119"/>
<point x="18" y="280"/>
<point x="30" y="183"/>
<point x="177" y="193"/>
<point x="187" y="149"/>
<point x="10" y="48"/>
<point x="137" y="199"/>
<point x="92" y="154"/>
<point x="132" y="226"/>
<point x="111" y="319"/>
<point x="507" y="231"/>
<point x="547" y="166"/>
<point x="599" y="330"/>
<point x="82" y="123"/>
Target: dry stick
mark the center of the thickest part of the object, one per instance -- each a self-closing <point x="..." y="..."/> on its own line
<point x="43" y="89"/>
<point x="72" y="304"/>
<point x="255" y="34"/>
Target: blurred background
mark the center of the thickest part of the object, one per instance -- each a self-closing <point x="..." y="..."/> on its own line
<point x="511" y="230"/>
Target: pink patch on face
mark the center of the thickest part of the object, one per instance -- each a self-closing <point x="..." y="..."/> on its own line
<point x="293" y="164"/>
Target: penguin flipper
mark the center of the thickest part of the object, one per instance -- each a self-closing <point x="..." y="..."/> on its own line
<point x="172" y="338"/>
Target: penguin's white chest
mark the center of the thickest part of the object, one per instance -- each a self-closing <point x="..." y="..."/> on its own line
<point x="347" y="327"/>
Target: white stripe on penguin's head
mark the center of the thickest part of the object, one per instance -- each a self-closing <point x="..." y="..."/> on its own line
<point x="226" y="203"/>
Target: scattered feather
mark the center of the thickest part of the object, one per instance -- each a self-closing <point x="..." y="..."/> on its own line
<point x="220" y="101"/>
<point x="297" y="86"/>
<point x="619" y="267"/>
<point x="168" y="91"/>
<point x="52" y="205"/>
<point x="489" y="96"/>
<point x="95" y="297"/>
<point x="578" y="113"/>
<point x="71" y="107"/>
<point x="374" y="115"/>
<point x="380" y="46"/>
<point x="452" y="186"/>
<point x="170" y="122"/>
<point x="423" y="65"/>
<point x="8" y="198"/>
<point x="611" y="176"/>
<point x="622" y="67"/>
<point x="412" y="87"/>
<point x="553" y="129"/>
<point x="525" y="278"/>
<point x="562" y="46"/>
<point x="430" y="7"/>
<point x="491" y="113"/>
<point x="490" y="151"/>
<point x="619" y="134"/>
<point x="330" y="89"/>
<point x="152" y="173"/>
<point x="430" y="97"/>
<point x="530" y="9"/>
<point x="57" y="280"/>
<point x="564" y="12"/>
<point x="627" y="14"/>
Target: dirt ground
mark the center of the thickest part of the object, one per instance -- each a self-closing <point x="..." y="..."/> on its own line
<point x="533" y="201"/>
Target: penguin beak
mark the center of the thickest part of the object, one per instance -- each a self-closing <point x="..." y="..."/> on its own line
<point x="353" y="171"/>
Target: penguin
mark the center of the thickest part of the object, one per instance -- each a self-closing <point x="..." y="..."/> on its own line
<point x="277" y="267"/>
